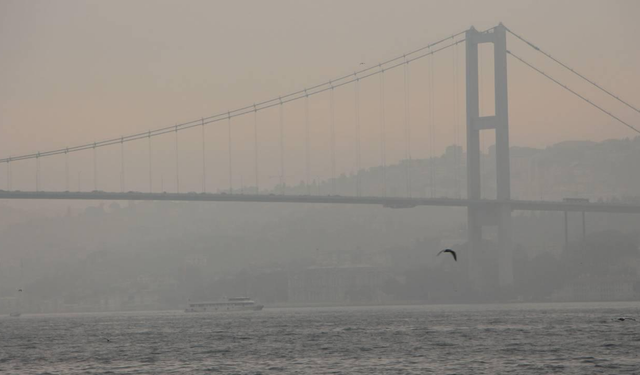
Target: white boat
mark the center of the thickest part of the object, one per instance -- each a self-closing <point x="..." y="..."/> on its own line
<point x="230" y="304"/>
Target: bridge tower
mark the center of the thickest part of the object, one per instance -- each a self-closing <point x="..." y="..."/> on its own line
<point x="500" y="214"/>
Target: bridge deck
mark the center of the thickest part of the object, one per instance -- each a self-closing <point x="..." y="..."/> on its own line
<point x="392" y="202"/>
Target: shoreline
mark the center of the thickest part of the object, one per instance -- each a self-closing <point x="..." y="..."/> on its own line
<point x="513" y="305"/>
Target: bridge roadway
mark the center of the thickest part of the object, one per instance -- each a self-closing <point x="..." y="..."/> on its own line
<point x="391" y="202"/>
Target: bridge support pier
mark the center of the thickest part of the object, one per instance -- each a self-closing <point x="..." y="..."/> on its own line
<point x="500" y="123"/>
<point x="566" y="228"/>
<point x="584" y="227"/>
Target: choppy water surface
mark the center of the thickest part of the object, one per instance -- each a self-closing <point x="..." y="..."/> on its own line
<point x="483" y="339"/>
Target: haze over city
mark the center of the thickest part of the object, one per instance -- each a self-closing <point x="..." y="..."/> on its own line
<point x="342" y="183"/>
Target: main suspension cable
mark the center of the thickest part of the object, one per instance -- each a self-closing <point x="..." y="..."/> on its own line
<point x="297" y="95"/>
<point x="575" y="93"/>
<point x="573" y="71"/>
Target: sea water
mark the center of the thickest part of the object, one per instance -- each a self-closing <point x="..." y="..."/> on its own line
<point x="455" y="339"/>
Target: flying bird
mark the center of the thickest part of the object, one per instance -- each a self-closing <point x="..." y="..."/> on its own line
<point x="455" y="257"/>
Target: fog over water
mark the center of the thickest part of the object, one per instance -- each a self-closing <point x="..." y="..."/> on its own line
<point x="136" y="285"/>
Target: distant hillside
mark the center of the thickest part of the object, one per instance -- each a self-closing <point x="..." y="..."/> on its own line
<point x="595" y="170"/>
<point x="118" y="242"/>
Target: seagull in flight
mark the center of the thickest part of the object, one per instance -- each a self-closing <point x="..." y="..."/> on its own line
<point x="455" y="257"/>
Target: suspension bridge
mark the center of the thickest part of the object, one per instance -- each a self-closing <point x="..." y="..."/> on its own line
<point x="482" y="211"/>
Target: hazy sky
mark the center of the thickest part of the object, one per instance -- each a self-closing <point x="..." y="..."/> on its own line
<point x="80" y="71"/>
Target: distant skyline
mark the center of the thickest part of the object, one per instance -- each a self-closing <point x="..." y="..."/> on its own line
<point x="77" y="71"/>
